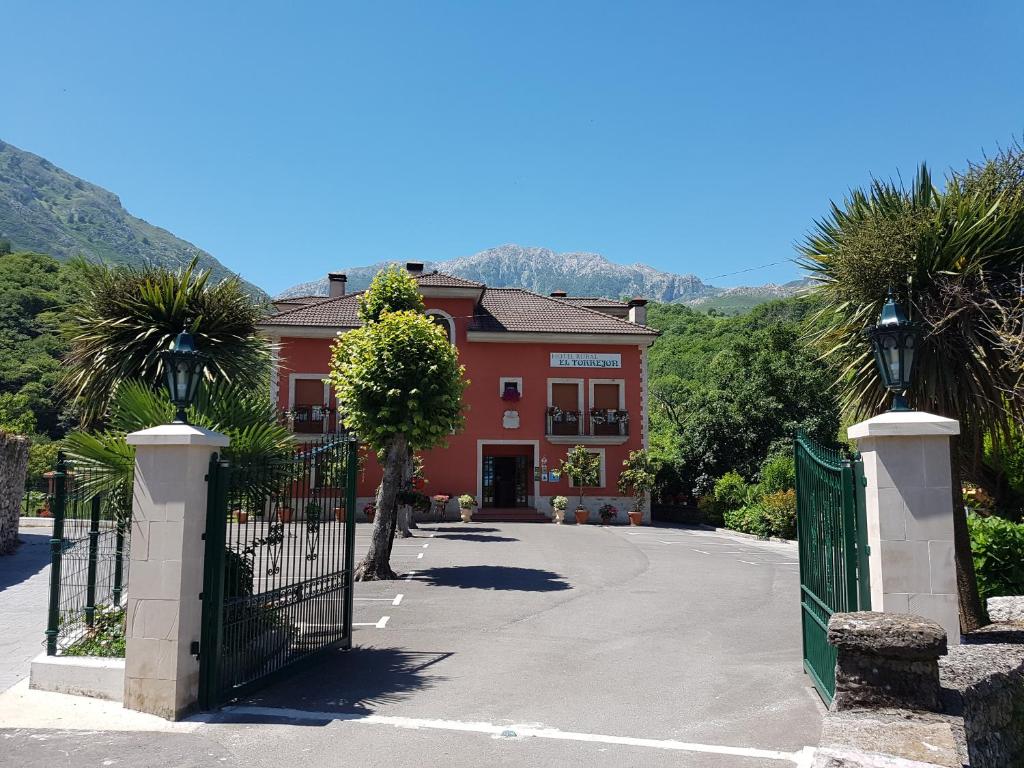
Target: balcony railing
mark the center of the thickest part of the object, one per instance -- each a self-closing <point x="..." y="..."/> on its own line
<point x="312" y="420"/>
<point x="598" y="422"/>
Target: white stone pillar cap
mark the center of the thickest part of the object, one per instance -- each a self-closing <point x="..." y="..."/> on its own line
<point x="905" y="424"/>
<point x="178" y="434"/>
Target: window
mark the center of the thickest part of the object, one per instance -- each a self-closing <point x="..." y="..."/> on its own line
<point x="309" y="397"/>
<point x="565" y="407"/>
<point x="510" y="388"/>
<point x="445" y="321"/>
<point x="607" y="407"/>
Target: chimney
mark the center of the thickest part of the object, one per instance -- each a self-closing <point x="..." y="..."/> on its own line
<point x="638" y="310"/>
<point x="558" y="294"/>
<point x="336" y="284"/>
<point x="415" y="268"/>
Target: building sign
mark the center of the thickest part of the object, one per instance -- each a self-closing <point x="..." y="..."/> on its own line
<point x="585" y="360"/>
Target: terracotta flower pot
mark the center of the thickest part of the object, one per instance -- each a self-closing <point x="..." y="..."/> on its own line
<point x="284" y="514"/>
<point x="243" y="517"/>
<point x="636" y="518"/>
<point x="582" y="515"/>
<point x="370" y="514"/>
<point x="339" y="514"/>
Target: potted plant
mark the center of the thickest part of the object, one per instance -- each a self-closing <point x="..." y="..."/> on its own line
<point x="466" y="504"/>
<point x="241" y="516"/>
<point x="608" y="513"/>
<point x="284" y="513"/>
<point x="637" y="480"/>
<point x="370" y="510"/>
<point x="558" y="504"/>
<point x="339" y="514"/>
<point x="440" y="503"/>
<point x="583" y="468"/>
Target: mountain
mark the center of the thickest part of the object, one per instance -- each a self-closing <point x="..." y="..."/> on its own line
<point x="47" y="210"/>
<point x="581" y="274"/>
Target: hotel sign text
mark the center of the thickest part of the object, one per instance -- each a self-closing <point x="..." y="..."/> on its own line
<point x="585" y="360"/>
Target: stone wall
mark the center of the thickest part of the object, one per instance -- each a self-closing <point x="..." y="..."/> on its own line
<point x="13" y="462"/>
<point x="901" y="696"/>
<point x="983" y="682"/>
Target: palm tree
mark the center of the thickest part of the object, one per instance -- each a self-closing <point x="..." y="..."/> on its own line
<point x="127" y="316"/>
<point x="952" y="257"/>
<point x="244" y="415"/>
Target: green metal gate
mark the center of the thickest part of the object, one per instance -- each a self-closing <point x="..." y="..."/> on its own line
<point x="280" y="551"/>
<point x="832" y="539"/>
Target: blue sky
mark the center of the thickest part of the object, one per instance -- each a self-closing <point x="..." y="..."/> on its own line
<point x="292" y="138"/>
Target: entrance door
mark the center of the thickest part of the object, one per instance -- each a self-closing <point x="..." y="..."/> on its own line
<point x="504" y="481"/>
<point x="507" y="481"/>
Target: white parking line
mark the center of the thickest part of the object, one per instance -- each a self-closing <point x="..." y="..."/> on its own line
<point x="409" y="575"/>
<point x="419" y="556"/>
<point x="397" y="600"/>
<point x="381" y="624"/>
<point x="800" y="758"/>
<point x="702" y="551"/>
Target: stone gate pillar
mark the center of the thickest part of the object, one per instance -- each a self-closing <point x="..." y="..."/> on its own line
<point x="166" y="572"/>
<point x="909" y="510"/>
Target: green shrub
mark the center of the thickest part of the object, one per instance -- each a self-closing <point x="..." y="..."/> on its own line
<point x="779" y="510"/>
<point x="998" y="549"/>
<point x="105" y="637"/>
<point x="777" y="473"/>
<point x="748" y="519"/>
<point x="711" y="511"/>
<point x="731" y="491"/>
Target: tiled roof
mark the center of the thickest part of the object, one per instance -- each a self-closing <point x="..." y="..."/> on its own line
<point x="519" y="310"/>
<point x="300" y="300"/>
<point x="437" y="279"/>
<point x="594" y="301"/>
<point x="341" y="312"/>
<point x="499" y="310"/>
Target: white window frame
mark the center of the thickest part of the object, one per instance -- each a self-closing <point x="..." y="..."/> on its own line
<point x="579" y="391"/>
<point x="517" y="380"/>
<point x="449" y="318"/>
<point x="293" y="377"/>
<point x="602" y="474"/>
<point x="622" y="391"/>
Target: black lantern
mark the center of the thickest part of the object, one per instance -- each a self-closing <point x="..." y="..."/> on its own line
<point x="183" y="369"/>
<point x="894" y="342"/>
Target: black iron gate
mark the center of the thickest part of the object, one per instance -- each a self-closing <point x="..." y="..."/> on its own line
<point x="280" y="551"/>
<point x="832" y="538"/>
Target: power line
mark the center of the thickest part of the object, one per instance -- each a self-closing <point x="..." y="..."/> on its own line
<point x="749" y="269"/>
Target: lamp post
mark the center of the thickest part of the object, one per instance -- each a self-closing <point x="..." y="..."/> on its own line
<point x="894" y="342"/>
<point x="183" y="370"/>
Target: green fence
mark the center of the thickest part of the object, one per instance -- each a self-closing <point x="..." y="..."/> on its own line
<point x="833" y="551"/>
<point x="280" y="551"/>
<point x="89" y="554"/>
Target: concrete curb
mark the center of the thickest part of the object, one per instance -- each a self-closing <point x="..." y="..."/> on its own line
<point x="706" y="527"/>
<point x="101" y="678"/>
<point x="34" y="522"/>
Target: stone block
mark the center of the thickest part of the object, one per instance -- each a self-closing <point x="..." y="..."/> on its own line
<point x="904" y="566"/>
<point x="886" y="660"/>
<point x="1006" y="610"/>
<point x="929" y="513"/>
<point x="937" y="462"/>
<point x="892" y="515"/>
<point x="942" y="609"/>
<point x="942" y="567"/>
<point x="900" y="462"/>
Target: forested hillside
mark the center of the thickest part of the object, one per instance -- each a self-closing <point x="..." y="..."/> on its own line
<point x="729" y="392"/>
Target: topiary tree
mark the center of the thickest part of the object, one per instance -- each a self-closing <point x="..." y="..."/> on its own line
<point x="582" y="467"/>
<point x="639" y="472"/>
<point x="399" y="387"/>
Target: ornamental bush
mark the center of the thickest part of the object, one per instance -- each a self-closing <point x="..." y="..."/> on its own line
<point x="777" y="473"/>
<point x="731" y="491"/>
<point x="998" y="549"/>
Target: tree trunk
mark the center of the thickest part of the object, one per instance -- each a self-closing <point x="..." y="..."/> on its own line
<point x="405" y="510"/>
<point x="972" y="613"/>
<point x="377" y="563"/>
<point x="13" y="462"/>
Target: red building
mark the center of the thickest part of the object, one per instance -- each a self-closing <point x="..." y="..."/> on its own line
<point x="546" y="373"/>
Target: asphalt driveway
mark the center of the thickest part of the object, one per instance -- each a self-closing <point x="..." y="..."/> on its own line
<point x="527" y="644"/>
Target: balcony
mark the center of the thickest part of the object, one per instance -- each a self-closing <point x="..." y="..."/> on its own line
<point x="595" y="426"/>
<point x="310" y="422"/>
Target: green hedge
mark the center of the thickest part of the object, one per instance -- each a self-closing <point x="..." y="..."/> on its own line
<point x="998" y="549"/>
